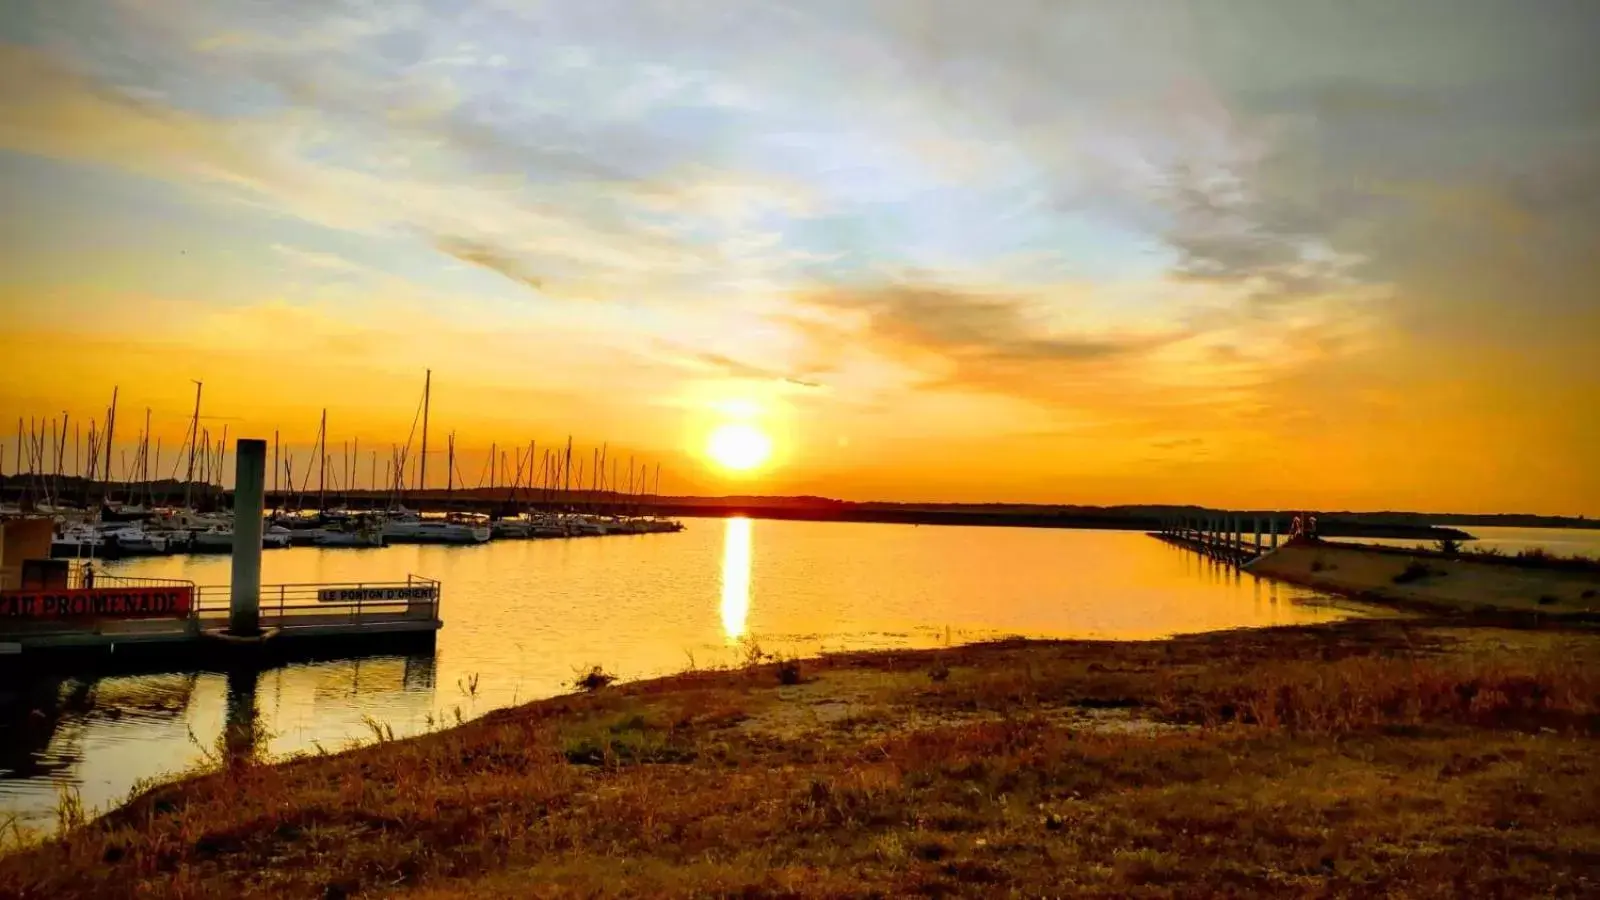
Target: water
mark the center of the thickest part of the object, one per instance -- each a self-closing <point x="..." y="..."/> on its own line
<point x="523" y="617"/>
<point x="1560" y="541"/>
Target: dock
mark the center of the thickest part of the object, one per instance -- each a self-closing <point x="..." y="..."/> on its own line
<point x="1223" y="538"/>
<point x="55" y="614"/>
<point x="297" y="621"/>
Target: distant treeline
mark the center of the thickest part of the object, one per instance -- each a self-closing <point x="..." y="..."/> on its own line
<point x="1342" y="523"/>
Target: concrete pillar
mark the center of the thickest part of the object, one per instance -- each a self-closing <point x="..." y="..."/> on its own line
<point x="250" y="475"/>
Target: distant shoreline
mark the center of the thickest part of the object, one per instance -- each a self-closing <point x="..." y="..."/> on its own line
<point x="1041" y="520"/>
<point x="1132" y="517"/>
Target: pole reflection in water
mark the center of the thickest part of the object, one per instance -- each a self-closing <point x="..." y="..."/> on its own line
<point x="241" y="727"/>
<point x="735" y="577"/>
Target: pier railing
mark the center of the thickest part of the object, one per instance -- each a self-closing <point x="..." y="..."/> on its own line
<point x="290" y="606"/>
<point x="85" y="576"/>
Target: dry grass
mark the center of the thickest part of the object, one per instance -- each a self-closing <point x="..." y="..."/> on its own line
<point x="1364" y="759"/>
<point x="1439" y="583"/>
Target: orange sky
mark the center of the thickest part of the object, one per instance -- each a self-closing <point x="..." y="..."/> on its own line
<point x="1007" y="252"/>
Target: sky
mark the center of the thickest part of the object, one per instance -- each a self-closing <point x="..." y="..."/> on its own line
<point x="1337" y="255"/>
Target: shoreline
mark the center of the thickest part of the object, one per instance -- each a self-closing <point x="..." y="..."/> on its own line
<point x="1106" y="766"/>
<point x="1505" y="589"/>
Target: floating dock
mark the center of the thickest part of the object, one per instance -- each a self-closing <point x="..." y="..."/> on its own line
<point x="52" y="614"/>
<point x="182" y="623"/>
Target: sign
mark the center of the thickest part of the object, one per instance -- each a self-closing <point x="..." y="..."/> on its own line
<point x="427" y="593"/>
<point x="107" y="603"/>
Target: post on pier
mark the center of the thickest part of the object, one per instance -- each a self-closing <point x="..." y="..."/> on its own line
<point x="1274" y="521"/>
<point x="1257" y="523"/>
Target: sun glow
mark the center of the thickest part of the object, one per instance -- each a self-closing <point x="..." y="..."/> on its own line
<point x="738" y="447"/>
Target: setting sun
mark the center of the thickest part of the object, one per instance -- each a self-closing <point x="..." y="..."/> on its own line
<point x="738" y="447"/>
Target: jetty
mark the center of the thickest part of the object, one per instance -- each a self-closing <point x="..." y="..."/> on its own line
<point x="1230" y="539"/>
<point x="55" y="612"/>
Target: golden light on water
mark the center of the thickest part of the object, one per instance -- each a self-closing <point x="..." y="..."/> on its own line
<point x="735" y="577"/>
<point x="738" y="446"/>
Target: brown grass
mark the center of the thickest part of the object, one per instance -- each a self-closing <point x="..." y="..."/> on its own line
<point x="1439" y="583"/>
<point x="1396" y="758"/>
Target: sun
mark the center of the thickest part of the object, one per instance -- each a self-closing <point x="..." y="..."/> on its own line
<point x="738" y="447"/>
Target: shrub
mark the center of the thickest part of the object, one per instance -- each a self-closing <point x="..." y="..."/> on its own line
<point x="1416" y="570"/>
<point x="1549" y="600"/>
<point x="1449" y="546"/>
<point x="789" y="670"/>
<point x="939" y="672"/>
<point x="594" y="679"/>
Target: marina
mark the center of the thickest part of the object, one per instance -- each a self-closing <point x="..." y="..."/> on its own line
<point x="102" y="505"/>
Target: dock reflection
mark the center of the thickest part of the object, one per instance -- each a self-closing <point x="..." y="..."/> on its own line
<point x="55" y="730"/>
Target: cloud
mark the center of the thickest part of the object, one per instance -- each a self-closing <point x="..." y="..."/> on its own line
<point x="481" y="255"/>
<point x="972" y="327"/>
<point x="316" y="259"/>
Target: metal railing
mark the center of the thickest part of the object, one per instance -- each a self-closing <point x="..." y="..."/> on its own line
<point x="83" y="575"/>
<point x="313" y="604"/>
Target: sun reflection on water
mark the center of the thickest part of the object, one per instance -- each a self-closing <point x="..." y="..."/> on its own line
<point x="735" y="577"/>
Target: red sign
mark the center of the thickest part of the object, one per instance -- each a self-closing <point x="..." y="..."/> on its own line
<point x="107" y="603"/>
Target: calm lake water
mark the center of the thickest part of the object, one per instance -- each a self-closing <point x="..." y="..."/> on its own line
<point x="522" y="617"/>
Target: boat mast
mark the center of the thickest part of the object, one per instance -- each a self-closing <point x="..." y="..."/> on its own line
<point x="145" y="464"/>
<point x="450" y="466"/>
<point x="111" y="429"/>
<point x="194" y="439"/>
<point x="566" y="473"/>
<point x="222" y="459"/>
<point x="322" y="459"/>
<point x="422" y="467"/>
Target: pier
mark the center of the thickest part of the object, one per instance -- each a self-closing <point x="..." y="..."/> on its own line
<point x="54" y="612"/>
<point x="1234" y="540"/>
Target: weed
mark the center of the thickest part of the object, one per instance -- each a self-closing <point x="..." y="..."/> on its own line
<point x="1448" y="546"/>
<point x="594" y="679"/>
<point x="382" y="732"/>
<point x="630" y="739"/>
<point x="70" y="813"/>
<point x="939" y="672"/>
<point x="753" y="654"/>
<point x="468" y="686"/>
<point x="789" y="670"/>
<point x="1415" y="570"/>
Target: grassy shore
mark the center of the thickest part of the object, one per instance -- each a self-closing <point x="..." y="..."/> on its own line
<point x="1408" y="758"/>
<point x="1442" y="583"/>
